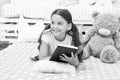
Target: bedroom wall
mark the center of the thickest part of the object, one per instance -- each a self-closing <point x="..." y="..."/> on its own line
<point x="2" y="2"/>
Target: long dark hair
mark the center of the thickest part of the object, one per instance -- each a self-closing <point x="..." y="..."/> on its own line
<point x="73" y="32"/>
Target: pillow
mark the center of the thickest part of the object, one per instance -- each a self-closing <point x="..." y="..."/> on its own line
<point x="46" y="66"/>
<point x="28" y="33"/>
<point x="35" y="8"/>
<point x="68" y="2"/>
<point x="36" y="2"/>
<point x="84" y="3"/>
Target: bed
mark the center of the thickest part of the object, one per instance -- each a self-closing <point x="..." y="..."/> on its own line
<point x="15" y="64"/>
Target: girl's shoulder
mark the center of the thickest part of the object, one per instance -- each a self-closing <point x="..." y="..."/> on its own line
<point x="46" y="36"/>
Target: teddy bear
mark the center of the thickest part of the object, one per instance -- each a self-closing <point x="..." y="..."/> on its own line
<point x="103" y="38"/>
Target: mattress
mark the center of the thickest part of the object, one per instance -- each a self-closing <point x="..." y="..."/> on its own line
<point x="15" y="64"/>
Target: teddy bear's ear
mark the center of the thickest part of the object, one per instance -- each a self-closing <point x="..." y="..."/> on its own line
<point x="95" y="14"/>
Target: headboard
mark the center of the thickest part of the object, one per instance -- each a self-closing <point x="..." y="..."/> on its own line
<point x="8" y="32"/>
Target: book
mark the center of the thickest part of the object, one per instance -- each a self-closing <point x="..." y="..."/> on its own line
<point x="63" y="49"/>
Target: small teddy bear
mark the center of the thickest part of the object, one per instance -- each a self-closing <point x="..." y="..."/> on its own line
<point x="103" y="39"/>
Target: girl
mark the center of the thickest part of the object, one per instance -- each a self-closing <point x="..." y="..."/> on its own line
<point x="61" y="31"/>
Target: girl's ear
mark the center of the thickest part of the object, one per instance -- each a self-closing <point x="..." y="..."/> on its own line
<point x="69" y="26"/>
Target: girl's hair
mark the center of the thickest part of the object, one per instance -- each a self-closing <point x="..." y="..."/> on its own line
<point x="73" y="32"/>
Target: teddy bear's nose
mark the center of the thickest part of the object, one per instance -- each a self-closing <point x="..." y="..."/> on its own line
<point x="104" y="32"/>
<point x="83" y="33"/>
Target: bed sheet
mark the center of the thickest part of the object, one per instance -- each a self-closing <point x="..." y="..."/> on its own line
<point x="15" y="64"/>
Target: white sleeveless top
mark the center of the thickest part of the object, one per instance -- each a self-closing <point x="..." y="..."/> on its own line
<point x="53" y="43"/>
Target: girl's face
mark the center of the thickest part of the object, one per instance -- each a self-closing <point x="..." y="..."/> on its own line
<point x="59" y="25"/>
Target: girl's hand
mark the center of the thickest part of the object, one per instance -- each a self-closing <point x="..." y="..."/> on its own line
<point x="73" y="60"/>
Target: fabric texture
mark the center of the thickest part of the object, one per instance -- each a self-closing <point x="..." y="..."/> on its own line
<point x="15" y="64"/>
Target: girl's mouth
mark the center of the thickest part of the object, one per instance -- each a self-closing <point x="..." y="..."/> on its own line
<point x="56" y="30"/>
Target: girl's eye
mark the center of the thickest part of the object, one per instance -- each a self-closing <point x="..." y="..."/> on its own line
<point x="52" y="22"/>
<point x="59" y="23"/>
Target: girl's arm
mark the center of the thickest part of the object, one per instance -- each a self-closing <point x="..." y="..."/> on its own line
<point x="43" y="50"/>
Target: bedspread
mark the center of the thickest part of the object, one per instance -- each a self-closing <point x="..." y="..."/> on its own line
<point x="15" y="64"/>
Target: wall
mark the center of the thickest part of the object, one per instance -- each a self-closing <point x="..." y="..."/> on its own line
<point x="2" y="2"/>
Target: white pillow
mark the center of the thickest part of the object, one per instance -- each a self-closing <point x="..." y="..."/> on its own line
<point x="46" y="66"/>
<point x="68" y="2"/>
<point x="28" y="33"/>
<point x="30" y="8"/>
<point x="36" y="2"/>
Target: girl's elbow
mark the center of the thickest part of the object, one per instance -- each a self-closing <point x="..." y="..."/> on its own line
<point x="84" y="57"/>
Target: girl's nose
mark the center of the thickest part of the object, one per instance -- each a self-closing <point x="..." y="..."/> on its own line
<point x="54" y="26"/>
